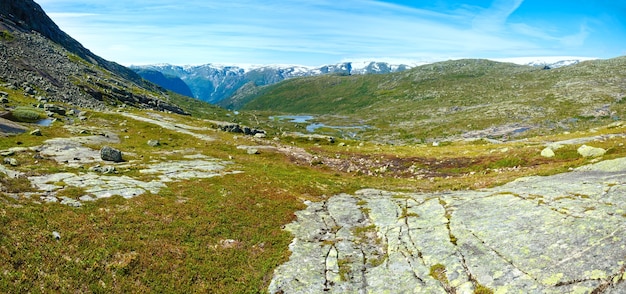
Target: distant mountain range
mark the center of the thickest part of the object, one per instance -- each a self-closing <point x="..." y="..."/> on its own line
<point x="215" y="83"/>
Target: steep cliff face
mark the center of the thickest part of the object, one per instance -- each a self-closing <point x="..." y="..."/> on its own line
<point x="46" y="63"/>
<point x="27" y="16"/>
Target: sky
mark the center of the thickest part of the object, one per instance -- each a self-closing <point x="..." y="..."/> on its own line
<point x="318" y="32"/>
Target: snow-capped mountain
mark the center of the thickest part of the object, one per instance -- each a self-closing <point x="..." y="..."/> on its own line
<point x="547" y="61"/>
<point x="214" y="82"/>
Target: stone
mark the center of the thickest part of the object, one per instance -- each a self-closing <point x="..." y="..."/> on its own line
<point x="4" y="100"/>
<point x="36" y="132"/>
<point x="111" y="154"/>
<point x="7" y="153"/>
<point x="588" y="151"/>
<point x="547" y="152"/>
<point x="107" y="169"/>
<point x="4" y="94"/>
<point x="260" y="135"/>
<point x="252" y="151"/>
<point x="55" y="109"/>
<point x="70" y="202"/>
<point x="11" y="161"/>
<point x="30" y="91"/>
<point x="154" y="143"/>
<point x="86" y="198"/>
<point x="56" y="235"/>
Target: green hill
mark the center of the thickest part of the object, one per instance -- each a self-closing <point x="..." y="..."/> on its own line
<point x="456" y="97"/>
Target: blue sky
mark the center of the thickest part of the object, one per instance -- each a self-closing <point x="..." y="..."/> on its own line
<point x="316" y="32"/>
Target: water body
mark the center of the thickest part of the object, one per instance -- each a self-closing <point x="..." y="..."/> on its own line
<point x="312" y="127"/>
<point x="46" y="122"/>
<point x="294" y="118"/>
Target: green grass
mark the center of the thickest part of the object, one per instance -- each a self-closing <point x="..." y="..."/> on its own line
<point x="27" y="114"/>
<point x="6" y="36"/>
<point x="174" y="241"/>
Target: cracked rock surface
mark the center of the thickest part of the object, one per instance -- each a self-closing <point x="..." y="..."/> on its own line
<point x="564" y="233"/>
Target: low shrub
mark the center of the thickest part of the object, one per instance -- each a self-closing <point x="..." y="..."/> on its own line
<point x="27" y="114"/>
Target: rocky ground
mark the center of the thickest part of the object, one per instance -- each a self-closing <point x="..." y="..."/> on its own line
<point x="556" y="234"/>
<point x="98" y="176"/>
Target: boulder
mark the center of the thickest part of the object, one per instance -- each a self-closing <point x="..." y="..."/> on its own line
<point x="30" y="91"/>
<point x="547" y="152"/>
<point x="107" y="169"/>
<point x="54" y="109"/>
<point x="588" y="151"/>
<point x="36" y="132"/>
<point x="110" y="154"/>
<point x="11" y="161"/>
<point x="154" y="143"/>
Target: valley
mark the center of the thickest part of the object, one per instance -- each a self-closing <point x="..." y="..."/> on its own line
<point x="464" y="176"/>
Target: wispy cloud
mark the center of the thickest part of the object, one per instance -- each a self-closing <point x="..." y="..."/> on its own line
<point x="494" y="18"/>
<point x="298" y="31"/>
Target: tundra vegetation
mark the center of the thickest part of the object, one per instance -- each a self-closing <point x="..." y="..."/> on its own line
<point x="224" y="234"/>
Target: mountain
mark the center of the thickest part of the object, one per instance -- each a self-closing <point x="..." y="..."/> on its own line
<point x="170" y="82"/>
<point x="223" y="85"/>
<point x="214" y="83"/>
<point x="546" y="62"/>
<point x="39" y="59"/>
<point x="453" y="98"/>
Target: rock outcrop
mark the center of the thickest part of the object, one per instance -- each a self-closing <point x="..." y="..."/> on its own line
<point x="531" y="235"/>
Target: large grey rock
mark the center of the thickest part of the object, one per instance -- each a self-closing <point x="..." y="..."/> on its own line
<point x="55" y="109"/>
<point x="557" y="234"/>
<point x="111" y="154"/>
<point x="547" y="152"/>
<point x="588" y="151"/>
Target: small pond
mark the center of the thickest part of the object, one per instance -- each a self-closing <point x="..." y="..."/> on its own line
<point x="46" y="122"/>
<point x="311" y="127"/>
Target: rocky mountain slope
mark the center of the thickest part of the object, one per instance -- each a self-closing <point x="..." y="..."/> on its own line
<point x="214" y="83"/>
<point x="38" y="58"/>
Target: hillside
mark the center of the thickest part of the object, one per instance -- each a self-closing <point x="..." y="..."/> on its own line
<point x="41" y="60"/>
<point x="460" y="98"/>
